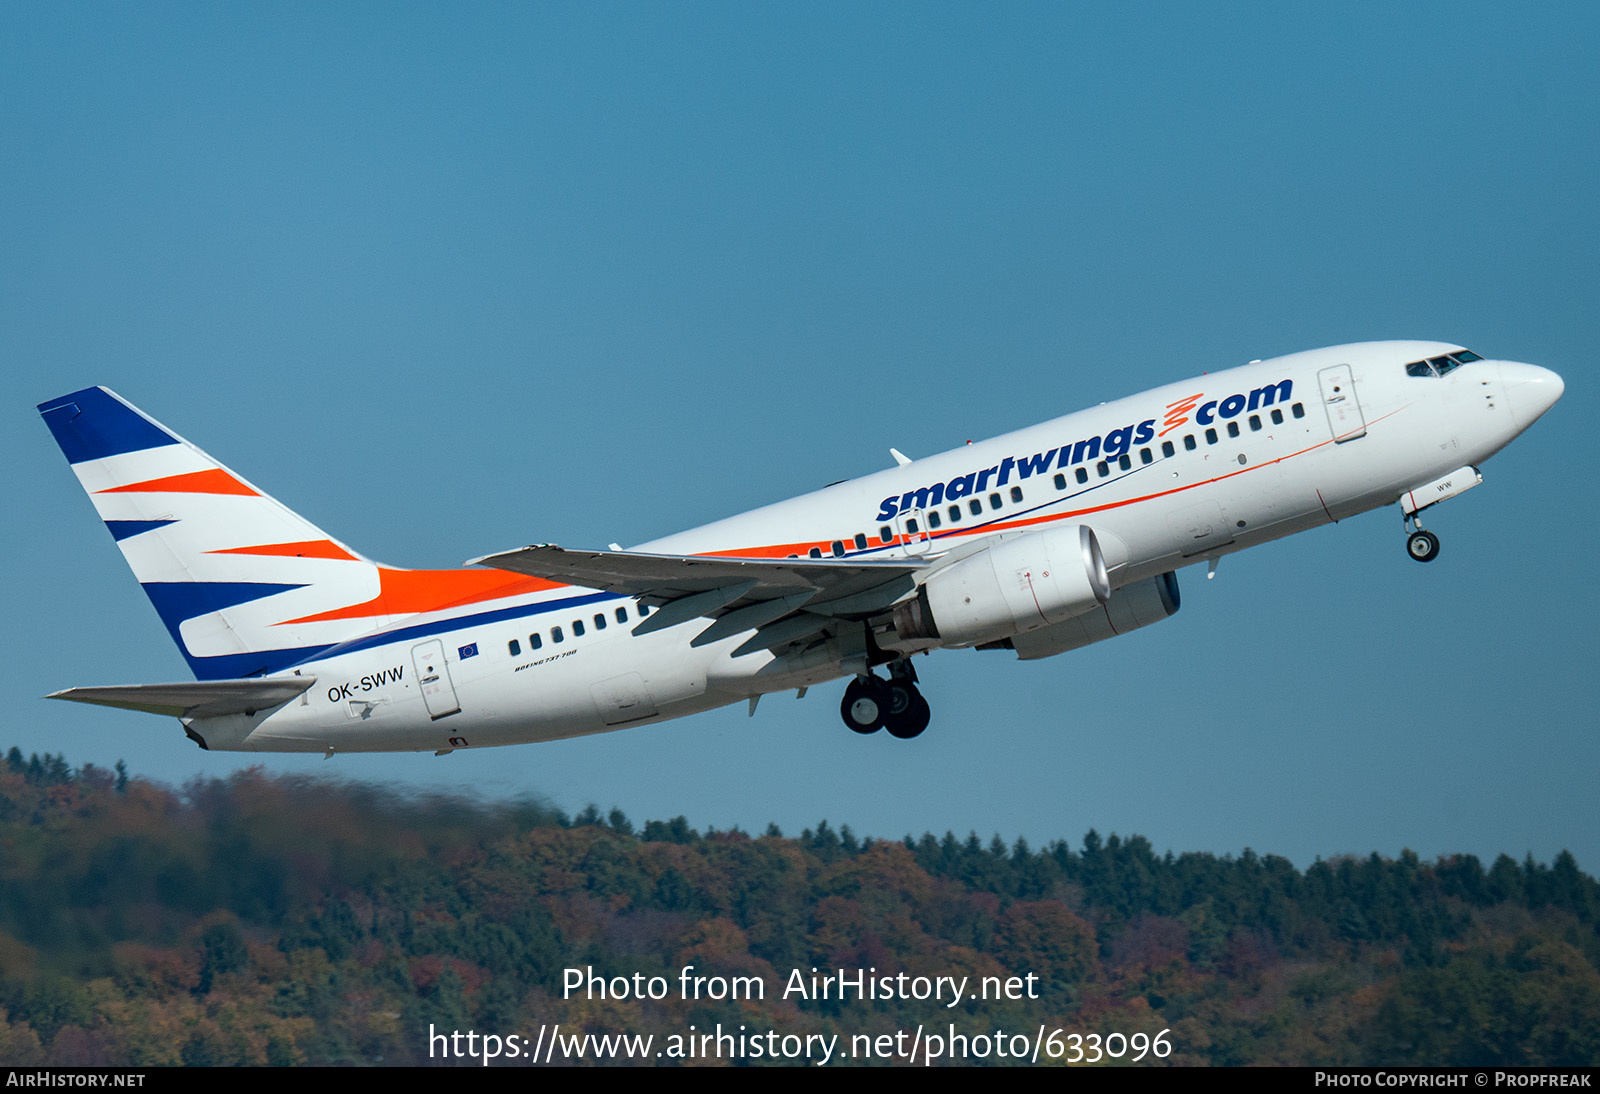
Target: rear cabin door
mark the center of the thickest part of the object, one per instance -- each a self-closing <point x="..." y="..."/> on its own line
<point x="433" y="676"/>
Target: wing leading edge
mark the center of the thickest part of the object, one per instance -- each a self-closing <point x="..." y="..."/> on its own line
<point x="785" y="600"/>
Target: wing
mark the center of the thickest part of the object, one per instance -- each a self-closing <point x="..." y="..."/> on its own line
<point x="784" y="600"/>
<point x="199" y="699"/>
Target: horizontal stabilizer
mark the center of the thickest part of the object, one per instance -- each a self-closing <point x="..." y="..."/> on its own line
<point x="201" y="699"/>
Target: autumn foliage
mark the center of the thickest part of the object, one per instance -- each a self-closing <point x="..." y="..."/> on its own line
<point x="286" y="920"/>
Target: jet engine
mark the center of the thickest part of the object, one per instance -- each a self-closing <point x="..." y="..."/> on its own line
<point x="1130" y="607"/>
<point x="1021" y="584"/>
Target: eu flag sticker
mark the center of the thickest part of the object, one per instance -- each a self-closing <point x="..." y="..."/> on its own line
<point x="467" y="651"/>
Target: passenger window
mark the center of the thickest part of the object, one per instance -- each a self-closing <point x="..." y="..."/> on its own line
<point x="933" y="518"/>
<point x="886" y="534"/>
<point x="1082" y="475"/>
<point x="622" y="615"/>
<point x="838" y="548"/>
<point x="600" y="621"/>
<point x="1277" y="417"/>
<point x="976" y="507"/>
<point x="994" y="501"/>
<point x="861" y="541"/>
<point x="911" y="526"/>
<point x="1255" y="423"/>
<point x="1233" y="429"/>
<point x="1299" y="410"/>
<point x="515" y="647"/>
<point x="644" y="610"/>
<point x="1061" y="481"/>
<point x="1146" y="456"/>
<point x="577" y="628"/>
<point x="955" y="514"/>
<point x="556" y="636"/>
<point x="1211" y="436"/>
<point x="1016" y="493"/>
<point x="816" y="552"/>
<point x="1103" y="468"/>
<point x="1125" y="461"/>
<point x="1167" y="450"/>
<point x="535" y="641"/>
<point x="1189" y="442"/>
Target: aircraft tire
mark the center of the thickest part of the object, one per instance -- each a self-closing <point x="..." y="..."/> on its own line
<point x="865" y="704"/>
<point x="1422" y="546"/>
<point x="912" y="720"/>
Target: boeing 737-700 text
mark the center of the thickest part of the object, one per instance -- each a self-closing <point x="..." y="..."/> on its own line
<point x="1038" y="542"/>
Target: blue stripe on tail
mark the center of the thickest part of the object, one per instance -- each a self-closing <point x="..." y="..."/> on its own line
<point x="126" y="529"/>
<point x="92" y="424"/>
<point x="177" y="601"/>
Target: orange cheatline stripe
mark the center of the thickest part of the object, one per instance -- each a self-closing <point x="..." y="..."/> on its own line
<point x="211" y="481"/>
<point x="309" y="548"/>
<point x="411" y="592"/>
<point x="1049" y="518"/>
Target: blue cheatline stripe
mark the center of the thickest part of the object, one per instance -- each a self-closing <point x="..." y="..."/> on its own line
<point x="444" y="626"/>
<point x="92" y="424"/>
<point x="127" y="529"/>
<point x="235" y="666"/>
<point x="264" y="662"/>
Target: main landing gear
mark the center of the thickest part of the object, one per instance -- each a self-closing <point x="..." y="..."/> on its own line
<point x="895" y="704"/>
<point x="1420" y="545"/>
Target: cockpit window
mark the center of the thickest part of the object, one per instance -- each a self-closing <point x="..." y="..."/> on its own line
<point x="1443" y="365"/>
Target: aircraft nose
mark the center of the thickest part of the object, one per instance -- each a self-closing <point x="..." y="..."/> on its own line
<point x="1530" y="390"/>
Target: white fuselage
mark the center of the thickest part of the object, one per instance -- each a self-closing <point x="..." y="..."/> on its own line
<point x="1198" y="469"/>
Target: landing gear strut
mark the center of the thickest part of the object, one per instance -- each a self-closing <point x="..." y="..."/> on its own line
<point x="1420" y="545"/>
<point x="895" y="704"/>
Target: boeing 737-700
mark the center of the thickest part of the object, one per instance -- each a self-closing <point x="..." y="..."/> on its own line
<point x="1036" y="542"/>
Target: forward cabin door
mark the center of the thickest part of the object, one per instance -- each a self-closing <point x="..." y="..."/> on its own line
<point x="1339" y="400"/>
<point x="433" y="676"/>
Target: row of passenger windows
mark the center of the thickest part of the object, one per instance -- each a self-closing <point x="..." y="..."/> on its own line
<point x="975" y="507"/>
<point x="579" y="629"/>
<point x="1441" y="366"/>
<point x="953" y="514"/>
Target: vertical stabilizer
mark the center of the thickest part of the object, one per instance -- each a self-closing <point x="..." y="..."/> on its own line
<point x="244" y="585"/>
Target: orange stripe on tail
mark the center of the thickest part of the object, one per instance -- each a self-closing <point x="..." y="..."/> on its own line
<point x="410" y="592"/>
<point x="309" y="548"/>
<point x="212" y="481"/>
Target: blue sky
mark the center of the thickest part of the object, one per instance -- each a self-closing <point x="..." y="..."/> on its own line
<point x="451" y="281"/>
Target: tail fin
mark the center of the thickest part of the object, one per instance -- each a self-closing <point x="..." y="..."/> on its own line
<point x="244" y="585"/>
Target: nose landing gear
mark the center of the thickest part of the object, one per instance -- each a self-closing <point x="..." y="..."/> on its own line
<point x="1420" y="544"/>
<point x="895" y="704"/>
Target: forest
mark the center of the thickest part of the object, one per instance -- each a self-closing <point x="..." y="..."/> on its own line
<point x="285" y="920"/>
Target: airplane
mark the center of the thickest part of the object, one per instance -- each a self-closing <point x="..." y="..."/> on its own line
<point x="1036" y="542"/>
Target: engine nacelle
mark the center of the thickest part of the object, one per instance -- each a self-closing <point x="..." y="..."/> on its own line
<point x="1130" y="607"/>
<point x="1020" y="584"/>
